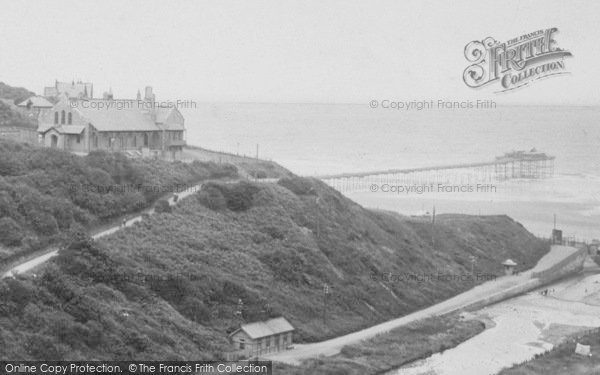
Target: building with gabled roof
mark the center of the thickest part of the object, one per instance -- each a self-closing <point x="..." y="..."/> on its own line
<point x="255" y="339"/>
<point x="34" y="105"/>
<point x="136" y="126"/>
<point x="35" y="101"/>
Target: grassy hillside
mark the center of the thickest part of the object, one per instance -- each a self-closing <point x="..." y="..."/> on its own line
<point x="14" y="93"/>
<point x="248" y="166"/>
<point x="9" y="117"/>
<point x="46" y="194"/>
<point x="169" y="287"/>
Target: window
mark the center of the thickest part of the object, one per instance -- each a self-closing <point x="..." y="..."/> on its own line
<point x="268" y="342"/>
<point x="78" y="138"/>
<point x="242" y="344"/>
<point x="62" y="117"/>
<point x="55" y="118"/>
<point x="70" y="119"/>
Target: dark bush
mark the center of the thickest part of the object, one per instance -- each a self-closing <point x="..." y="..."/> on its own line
<point x="194" y="309"/>
<point x="10" y="232"/>
<point x="286" y="266"/>
<point x="298" y="185"/>
<point x="258" y="174"/>
<point x="11" y="166"/>
<point x="45" y="224"/>
<point x="224" y="171"/>
<point x="238" y="197"/>
<point x="275" y="232"/>
<point x="212" y="198"/>
<point x="163" y="206"/>
<point x="43" y="347"/>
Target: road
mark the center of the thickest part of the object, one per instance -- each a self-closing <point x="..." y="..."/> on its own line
<point x="500" y="286"/>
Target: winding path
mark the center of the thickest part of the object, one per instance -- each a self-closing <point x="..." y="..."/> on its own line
<point x="31" y="264"/>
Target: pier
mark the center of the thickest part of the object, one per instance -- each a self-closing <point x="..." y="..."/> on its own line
<point x="512" y="165"/>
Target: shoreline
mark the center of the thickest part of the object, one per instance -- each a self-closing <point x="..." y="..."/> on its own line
<point x="525" y="327"/>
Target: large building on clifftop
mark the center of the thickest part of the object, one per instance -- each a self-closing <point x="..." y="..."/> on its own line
<point x="80" y="123"/>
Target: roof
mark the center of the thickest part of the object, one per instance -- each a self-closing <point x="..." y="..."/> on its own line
<point x="163" y="113"/>
<point x="121" y="117"/>
<point x="36" y="101"/>
<point x="64" y="129"/>
<point x="267" y="328"/>
<point x="509" y="262"/>
<point x="71" y="129"/>
<point x="74" y="89"/>
<point x="42" y="128"/>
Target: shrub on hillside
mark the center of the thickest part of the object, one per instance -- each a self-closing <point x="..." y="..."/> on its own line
<point x="11" y="166"/>
<point x="163" y="206"/>
<point x="297" y="185"/>
<point x="45" y="224"/>
<point x="238" y="197"/>
<point x="258" y="174"/>
<point x="10" y="232"/>
<point x="212" y="198"/>
<point x="47" y="192"/>
<point x="223" y="171"/>
<point x="195" y="309"/>
<point x="286" y="266"/>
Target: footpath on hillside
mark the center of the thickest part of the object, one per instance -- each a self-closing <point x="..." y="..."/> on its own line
<point x="502" y="287"/>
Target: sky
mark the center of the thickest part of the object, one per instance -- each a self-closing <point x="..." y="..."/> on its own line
<point x="290" y="51"/>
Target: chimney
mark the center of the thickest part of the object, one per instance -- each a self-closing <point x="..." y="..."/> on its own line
<point x="150" y="99"/>
<point x="148" y="95"/>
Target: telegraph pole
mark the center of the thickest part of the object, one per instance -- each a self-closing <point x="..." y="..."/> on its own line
<point x="239" y="313"/>
<point x="325" y="293"/>
<point x="473" y="260"/>
<point x="317" y="215"/>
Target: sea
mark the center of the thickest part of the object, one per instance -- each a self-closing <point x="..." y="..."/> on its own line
<point x="320" y="139"/>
